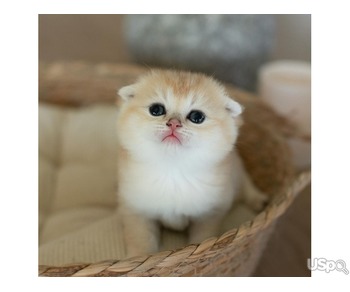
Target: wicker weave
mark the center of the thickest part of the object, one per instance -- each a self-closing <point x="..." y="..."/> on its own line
<point x="265" y="154"/>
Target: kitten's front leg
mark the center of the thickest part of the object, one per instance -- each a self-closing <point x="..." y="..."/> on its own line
<point x="141" y="234"/>
<point x="203" y="228"/>
<point x="253" y="197"/>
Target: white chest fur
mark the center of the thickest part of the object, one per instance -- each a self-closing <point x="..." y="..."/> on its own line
<point x="175" y="194"/>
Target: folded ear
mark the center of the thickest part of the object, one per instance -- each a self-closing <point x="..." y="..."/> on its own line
<point x="127" y="92"/>
<point x="233" y="107"/>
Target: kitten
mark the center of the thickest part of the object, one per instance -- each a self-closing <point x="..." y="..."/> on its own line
<point x="177" y="163"/>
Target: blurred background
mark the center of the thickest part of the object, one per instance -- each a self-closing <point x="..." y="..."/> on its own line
<point x="233" y="48"/>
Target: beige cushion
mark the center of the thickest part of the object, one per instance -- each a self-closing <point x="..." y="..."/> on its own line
<point x="77" y="188"/>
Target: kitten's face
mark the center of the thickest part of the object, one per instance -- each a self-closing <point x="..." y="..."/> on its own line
<point x="177" y="112"/>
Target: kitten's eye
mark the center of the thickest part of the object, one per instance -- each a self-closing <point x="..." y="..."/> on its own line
<point x="157" y="109"/>
<point x="196" y="117"/>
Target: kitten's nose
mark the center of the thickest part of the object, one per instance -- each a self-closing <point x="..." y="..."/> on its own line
<point x="174" y="123"/>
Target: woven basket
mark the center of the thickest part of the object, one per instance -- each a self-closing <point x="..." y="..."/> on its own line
<point x="261" y="144"/>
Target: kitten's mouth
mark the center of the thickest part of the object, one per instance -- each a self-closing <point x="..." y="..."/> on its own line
<point x="172" y="138"/>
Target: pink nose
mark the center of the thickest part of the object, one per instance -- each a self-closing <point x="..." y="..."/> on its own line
<point x="174" y="123"/>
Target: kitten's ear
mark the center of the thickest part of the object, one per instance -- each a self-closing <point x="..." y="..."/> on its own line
<point x="233" y="107"/>
<point x="127" y="92"/>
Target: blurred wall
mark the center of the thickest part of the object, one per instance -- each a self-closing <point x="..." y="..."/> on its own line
<point x="98" y="38"/>
<point x="88" y="37"/>
<point x="293" y="37"/>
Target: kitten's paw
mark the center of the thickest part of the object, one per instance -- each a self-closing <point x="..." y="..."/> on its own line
<point x="257" y="202"/>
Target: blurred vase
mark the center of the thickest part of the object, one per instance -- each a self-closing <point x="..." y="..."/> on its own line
<point x="229" y="47"/>
<point x="286" y="87"/>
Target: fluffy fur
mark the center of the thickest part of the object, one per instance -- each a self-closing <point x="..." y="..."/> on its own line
<point x="173" y="171"/>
